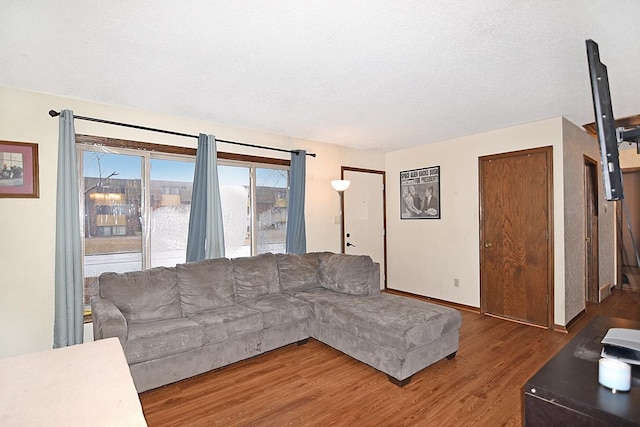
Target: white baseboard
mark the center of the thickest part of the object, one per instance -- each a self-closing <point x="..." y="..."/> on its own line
<point x="605" y="291"/>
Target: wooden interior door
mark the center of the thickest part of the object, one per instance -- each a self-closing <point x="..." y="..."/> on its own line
<point x="516" y="236"/>
<point x="592" y="281"/>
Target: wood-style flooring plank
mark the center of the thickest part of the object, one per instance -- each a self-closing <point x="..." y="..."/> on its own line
<point x="315" y="385"/>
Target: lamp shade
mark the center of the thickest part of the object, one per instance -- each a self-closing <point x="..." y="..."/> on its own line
<point x="340" y="184"/>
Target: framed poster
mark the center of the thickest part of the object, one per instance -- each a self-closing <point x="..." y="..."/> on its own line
<point x="420" y="193"/>
<point x="19" y="169"/>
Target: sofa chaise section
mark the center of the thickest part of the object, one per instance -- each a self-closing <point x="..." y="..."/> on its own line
<point x="397" y="335"/>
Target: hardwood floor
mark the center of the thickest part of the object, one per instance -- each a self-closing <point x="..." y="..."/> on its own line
<point x="315" y="385"/>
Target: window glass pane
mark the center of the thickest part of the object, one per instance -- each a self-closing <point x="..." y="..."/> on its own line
<point x="112" y="210"/>
<point x="170" y="191"/>
<point x="236" y="209"/>
<point x="271" y="209"/>
<point x="116" y="195"/>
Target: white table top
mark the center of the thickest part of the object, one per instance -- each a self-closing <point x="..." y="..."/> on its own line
<point x="82" y="385"/>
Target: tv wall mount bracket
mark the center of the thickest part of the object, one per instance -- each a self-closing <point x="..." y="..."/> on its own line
<point x="631" y="136"/>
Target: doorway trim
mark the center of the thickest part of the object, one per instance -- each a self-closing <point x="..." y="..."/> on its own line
<point x="592" y="293"/>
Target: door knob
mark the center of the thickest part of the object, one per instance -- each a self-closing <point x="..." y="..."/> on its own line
<point x="487" y="245"/>
<point x="350" y="244"/>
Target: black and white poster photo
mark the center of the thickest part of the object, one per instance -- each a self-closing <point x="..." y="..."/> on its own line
<point x="420" y="193"/>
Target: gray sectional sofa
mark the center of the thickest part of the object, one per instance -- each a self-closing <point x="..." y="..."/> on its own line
<point x="174" y="323"/>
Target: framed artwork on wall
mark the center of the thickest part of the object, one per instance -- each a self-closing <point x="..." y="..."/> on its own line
<point x="420" y="193"/>
<point x="19" y="170"/>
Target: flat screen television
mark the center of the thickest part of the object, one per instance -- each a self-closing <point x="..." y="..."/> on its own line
<point x="608" y="136"/>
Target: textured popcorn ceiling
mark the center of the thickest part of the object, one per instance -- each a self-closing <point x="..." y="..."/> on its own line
<point x="370" y="74"/>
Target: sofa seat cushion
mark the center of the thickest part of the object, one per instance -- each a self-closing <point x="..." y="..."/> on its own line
<point x="279" y="309"/>
<point x="205" y="285"/>
<point x="154" y="340"/>
<point x="223" y="323"/>
<point x="387" y="320"/>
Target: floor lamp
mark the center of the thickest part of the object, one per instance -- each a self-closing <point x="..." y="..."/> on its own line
<point x="340" y="185"/>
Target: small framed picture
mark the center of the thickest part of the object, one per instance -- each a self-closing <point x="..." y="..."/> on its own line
<point x="420" y="193"/>
<point x="19" y="170"/>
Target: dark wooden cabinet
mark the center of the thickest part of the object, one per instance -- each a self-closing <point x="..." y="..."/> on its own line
<point x="565" y="392"/>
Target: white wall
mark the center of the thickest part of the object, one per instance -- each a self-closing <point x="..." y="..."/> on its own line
<point x="429" y="254"/>
<point x="577" y="145"/>
<point x="27" y="226"/>
<point x="424" y="256"/>
<point x="629" y="158"/>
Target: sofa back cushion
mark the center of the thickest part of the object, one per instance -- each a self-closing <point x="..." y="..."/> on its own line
<point x="143" y="296"/>
<point x="256" y="276"/>
<point x="298" y="272"/>
<point x="205" y="285"/>
<point x="349" y="274"/>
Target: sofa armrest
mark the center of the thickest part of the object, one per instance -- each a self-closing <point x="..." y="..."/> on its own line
<point x="108" y="321"/>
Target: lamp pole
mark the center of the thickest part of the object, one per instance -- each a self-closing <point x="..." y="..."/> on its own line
<point x="340" y="185"/>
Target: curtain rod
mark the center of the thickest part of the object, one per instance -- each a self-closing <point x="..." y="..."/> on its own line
<point x="54" y="113"/>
